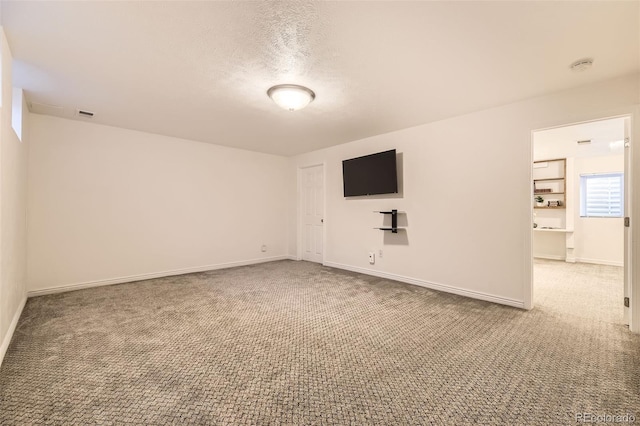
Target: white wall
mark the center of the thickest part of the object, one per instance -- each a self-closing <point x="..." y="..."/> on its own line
<point x="13" y="189"/>
<point x="550" y="245"/>
<point x="111" y="205"/>
<point x="467" y="194"/>
<point x="598" y="239"/>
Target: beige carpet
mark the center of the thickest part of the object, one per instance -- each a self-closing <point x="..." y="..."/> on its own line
<point x="297" y="343"/>
<point x="591" y="292"/>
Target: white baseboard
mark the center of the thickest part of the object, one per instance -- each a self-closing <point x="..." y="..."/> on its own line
<point x="434" y="286"/>
<point x="292" y="257"/>
<point x="549" y="256"/>
<point x="140" y="277"/>
<point x="600" y="262"/>
<point x="580" y="260"/>
<point x="11" y="330"/>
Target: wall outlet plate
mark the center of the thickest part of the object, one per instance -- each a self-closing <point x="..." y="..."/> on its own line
<point x="372" y="257"/>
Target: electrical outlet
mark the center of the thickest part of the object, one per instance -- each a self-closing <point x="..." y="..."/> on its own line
<point x="380" y="253"/>
<point x="372" y="257"/>
<point x="263" y="248"/>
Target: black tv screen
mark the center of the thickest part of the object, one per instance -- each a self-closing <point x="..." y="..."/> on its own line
<point x="371" y="174"/>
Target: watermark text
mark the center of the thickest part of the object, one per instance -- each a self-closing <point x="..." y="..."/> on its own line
<point x="605" y="418"/>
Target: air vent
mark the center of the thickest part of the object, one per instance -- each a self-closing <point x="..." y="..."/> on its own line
<point x="86" y="114"/>
<point x="584" y="142"/>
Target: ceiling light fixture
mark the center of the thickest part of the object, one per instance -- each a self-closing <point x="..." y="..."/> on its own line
<point x="582" y="64"/>
<point x="291" y="96"/>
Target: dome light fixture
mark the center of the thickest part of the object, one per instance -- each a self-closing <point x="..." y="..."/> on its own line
<point x="291" y="96"/>
<point x="581" y="65"/>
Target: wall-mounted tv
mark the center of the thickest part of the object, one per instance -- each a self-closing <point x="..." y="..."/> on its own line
<point x="370" y="175"/>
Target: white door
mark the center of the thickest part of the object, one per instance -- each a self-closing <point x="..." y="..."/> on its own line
<point x="312" y="211"/>
<point x="627" y="213"/>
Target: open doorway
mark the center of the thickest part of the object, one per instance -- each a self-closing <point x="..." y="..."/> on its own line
<point x="581" y="186"/>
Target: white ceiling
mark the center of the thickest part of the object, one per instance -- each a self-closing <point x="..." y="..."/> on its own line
<point x="200" y="70"/>
<point x="606" y="136"/>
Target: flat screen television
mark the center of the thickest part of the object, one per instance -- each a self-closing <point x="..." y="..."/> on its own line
<point x="370" y="175"/>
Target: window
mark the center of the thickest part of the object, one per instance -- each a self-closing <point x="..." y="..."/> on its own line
<point x="601" y="195"/>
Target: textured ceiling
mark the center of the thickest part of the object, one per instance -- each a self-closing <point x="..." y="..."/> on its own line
<point x="200" y="70"/>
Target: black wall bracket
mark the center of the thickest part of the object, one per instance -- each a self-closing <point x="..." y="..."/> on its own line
<point x="394" y="221"/>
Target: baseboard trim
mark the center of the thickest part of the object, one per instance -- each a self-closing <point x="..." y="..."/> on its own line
<point x="292" y="257"/>
<point x="549" y="256"/>
<point x="11" y="330"/>
<point x="141" y="277"/>
<point x="581" y="260"/>
<point x="431" y="285"/>
<point x="600" y="262"/>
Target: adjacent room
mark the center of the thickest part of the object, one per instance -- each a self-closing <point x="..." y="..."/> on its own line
<point x="579" y="236"/>
<point x="311" y="212"/>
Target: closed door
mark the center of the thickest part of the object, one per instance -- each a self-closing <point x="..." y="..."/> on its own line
<point x="312" y="211"/>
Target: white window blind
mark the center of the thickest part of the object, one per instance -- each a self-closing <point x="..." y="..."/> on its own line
<point x="601" y="195"/>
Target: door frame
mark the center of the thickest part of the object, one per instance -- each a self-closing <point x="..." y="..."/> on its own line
<point x="299" y="209"/>
<point x="631" y="285"/>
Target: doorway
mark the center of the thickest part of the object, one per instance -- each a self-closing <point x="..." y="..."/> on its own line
<point x="311" y="217"/>
<point x="580" y="244"/>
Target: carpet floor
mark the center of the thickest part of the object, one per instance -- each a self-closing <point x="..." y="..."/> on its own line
<point x="591" y="292"/>
<point x="288" y="343"/>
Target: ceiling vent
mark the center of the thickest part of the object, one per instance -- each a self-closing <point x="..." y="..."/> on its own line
<point x="84" y="113"/>
<point x="581" y="65"/>
<point x="584" y="142"/>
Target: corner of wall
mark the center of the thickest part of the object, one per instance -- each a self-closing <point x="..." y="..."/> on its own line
<point x="13" y="164"/>
<point x="4" y="344"/>
<point x="292" y="209"/>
